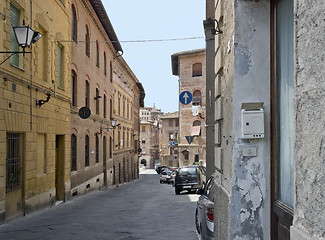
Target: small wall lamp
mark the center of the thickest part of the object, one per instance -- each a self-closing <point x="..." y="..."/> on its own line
<point x="209" y="24"/>
<point x="40" y="102"/>
<point x="25" y="37"/>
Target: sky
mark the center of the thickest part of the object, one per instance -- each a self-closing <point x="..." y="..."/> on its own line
<point x="135" y="20"/>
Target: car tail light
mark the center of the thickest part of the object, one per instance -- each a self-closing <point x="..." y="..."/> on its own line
<point x="210" y="214"/>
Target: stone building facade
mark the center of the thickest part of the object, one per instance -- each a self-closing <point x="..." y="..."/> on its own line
<point x="92" y="88"/>
<point x="128" y="93"/>
<point x="263" y="59"/>
<point x="150" y="124"/>
<point x="169" y="140"/>
<point x="34" y="108"/>
<point x="190" y="67"/>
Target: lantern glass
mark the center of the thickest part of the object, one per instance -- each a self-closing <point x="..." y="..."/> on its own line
<point x="24" y="35"/>
<point x="114" y="123"/>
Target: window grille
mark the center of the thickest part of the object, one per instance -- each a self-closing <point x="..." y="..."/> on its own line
<point x="14" y="162"/>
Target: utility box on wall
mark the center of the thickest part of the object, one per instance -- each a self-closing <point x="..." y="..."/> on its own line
<point x="252" y="115"/>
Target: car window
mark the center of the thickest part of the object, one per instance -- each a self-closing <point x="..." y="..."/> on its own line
<point x="187" y="171"/>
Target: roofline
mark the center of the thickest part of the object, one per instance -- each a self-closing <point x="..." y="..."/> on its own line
<point x="174" y="58"/>
<point x="104" y="19"/>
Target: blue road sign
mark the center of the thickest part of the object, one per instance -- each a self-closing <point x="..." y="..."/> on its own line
<point x="172" y="143"/>
<point x="185" y="97"/>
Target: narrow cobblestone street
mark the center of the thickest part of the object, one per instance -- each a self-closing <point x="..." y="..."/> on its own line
<point x="144" y="209"/>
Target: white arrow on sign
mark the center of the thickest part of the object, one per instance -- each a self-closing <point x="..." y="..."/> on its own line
<point x="185" y="96"/>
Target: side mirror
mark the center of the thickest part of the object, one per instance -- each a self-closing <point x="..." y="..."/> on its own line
<point x="199" y="191"/>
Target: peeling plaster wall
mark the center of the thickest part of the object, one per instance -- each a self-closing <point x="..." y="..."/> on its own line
<point x="309" y="211"/>
<point x="250" y="195"/>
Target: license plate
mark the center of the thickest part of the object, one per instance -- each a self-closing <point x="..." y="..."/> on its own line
<point x="185" y="187"/>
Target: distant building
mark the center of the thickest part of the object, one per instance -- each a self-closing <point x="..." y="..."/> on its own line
<point x="150" y="124"/>
<point x="169" y="140"/>
<point x="128" y="97"/>
<point x="190" y="67"/>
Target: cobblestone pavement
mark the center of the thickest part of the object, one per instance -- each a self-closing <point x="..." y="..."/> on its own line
<point x="143" y="209"/>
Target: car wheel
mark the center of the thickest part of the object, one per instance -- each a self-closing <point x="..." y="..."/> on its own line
<point x="197" y="224"/>
<point x="160" y="181"/>
<point x="177" y="191"/>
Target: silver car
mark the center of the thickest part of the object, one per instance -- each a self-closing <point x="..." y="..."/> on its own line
<point x="204" y="214"/>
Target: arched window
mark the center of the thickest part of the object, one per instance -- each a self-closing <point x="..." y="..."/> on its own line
<point x="197" y="98"/>
<point x="105" y="106"/>
<point x="97" y="54"/>
<point x="74" y="32"/>
<point x="87" y="94"/>
<point x="196" y="123"/>
<point x="104" y="151"/>
<point x="197" y="70"/>
<point x="87" y="42"/>
<point x="186" y="154"/>
<point x="110" y="109"/>
<point x="196" y="129"/>
<point x="97" y="149"/>
<point x="73" y="88"/>
<point x="86" y="151"/>
<point x="110" y="71"/>
<point x="97" y="101"/>
<point x="105" y="64"/>
<point x="73" y="152"/>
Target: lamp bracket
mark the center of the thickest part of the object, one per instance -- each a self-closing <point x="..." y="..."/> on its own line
<point x="217" y="30"/>
<point x="40" y="102"/>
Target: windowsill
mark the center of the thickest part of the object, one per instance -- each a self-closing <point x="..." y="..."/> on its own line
<point x="18" y="67"/>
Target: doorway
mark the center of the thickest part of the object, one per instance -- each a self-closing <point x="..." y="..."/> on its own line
<point x="59" y="167"/>
<point x="14" y="176"/>
<point x="282" y="122"/>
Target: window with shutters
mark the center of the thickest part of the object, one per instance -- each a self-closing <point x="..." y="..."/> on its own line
<point x="73" y="152"/>
<point x="86" y="150"/>
<point x="74" y="29"/>
<point x="14" y="21"/>
<point x="60" y="77"/>
<point x="73" y="88"/>
<point x="87" y="39"/>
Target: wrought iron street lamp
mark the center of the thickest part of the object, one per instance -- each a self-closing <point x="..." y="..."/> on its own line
<point x="25" y="37"/>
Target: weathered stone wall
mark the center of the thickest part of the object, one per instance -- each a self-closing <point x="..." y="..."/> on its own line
<point x="250" y="216"/>
<point x="309" y="217"/>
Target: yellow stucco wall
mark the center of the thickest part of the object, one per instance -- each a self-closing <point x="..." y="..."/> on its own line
<point x="43" y="128"/>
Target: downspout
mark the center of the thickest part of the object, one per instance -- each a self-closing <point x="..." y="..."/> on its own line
<point x="31" y="74"/>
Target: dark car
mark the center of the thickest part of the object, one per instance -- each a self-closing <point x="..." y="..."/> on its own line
<point x="204" y="214"/>
<point x="190" y="178"/>
<point x="159" y="168"/>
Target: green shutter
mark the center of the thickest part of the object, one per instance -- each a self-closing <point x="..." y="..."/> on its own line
<point x="59" y="66"/>
<point x="14" y="21"/>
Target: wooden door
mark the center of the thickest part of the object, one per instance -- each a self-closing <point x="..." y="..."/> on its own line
<point x="282" y="122"/>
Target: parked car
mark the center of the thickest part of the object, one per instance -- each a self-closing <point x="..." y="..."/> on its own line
<point x="159" y="168"/>
<point x="190" y="178"/>
<point x="172" y="177"/>
<point x="204" y="213"/>
<point x="163" y="176"/>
